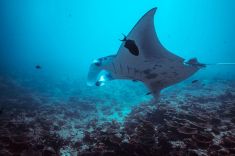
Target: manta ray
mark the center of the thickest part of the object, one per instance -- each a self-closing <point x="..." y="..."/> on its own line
<point x="141" y="57"/>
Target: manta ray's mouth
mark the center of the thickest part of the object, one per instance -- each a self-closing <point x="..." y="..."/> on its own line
<point x="103" y="77"/>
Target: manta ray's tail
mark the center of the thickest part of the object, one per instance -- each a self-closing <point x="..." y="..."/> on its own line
<point x="194" y="62"/>
<point x="222" y="63"/>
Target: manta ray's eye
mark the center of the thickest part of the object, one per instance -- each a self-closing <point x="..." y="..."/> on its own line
<point x="132" y="47"/>
<point x="98" y="62"/>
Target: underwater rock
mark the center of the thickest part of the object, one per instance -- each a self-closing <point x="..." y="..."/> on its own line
<point x="194" y="118"/>
<point x="19" y="143"/>
<point x="4" y="152"/>
<point x="229" y="113"/>
<point x="130" y="126"/>
<point x="31" y="152"/>
<point x="108" y="153"/>
<point x="190" y="143"/>
<point x="191" y="152"/>
<point x="92" y="123"/>
<point x="187" y="131"/>
<point x="233" y="120"/>
<point x="110" y="142"/>
<point x="226" y="96"/>
<point x="158" y="115"/>
<point x="146" y="134"/>
<point x="228" y="141"/>
<point x="49" y="151"/>
<point x="221" y="152"/>
<point x="215" y="121"/>
<point x="173" y="125"/>
<point x="177" y="153"/>
<point x="90" y="154"/>
<point x="213" y="149"/>
<point x="127" y="148"/>
<point x="201" y="126"/>
<point x="203" y="140"/>
<point x="165" y="146"/>
<point x="87" y="138"/>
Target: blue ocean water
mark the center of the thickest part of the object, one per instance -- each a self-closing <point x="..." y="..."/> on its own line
<point x="64" y="37"/>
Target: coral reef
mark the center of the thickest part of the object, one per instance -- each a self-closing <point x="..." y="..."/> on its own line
<point x="183" y="123"/>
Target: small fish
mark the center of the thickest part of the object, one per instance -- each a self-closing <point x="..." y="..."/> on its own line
<point x="131" y="46"/>
<point x="38" y="67"/>
<point x="194" y="81"/>
<point x="148" y="93"/>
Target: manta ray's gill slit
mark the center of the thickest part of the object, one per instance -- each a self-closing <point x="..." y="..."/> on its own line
<point x="136" y="71"/>
<point x="114" y="67"/>
<point x="120" y="65"/>
<point x="128" y="69"/>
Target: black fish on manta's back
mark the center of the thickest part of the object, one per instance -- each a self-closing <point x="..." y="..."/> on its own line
<point x="131" y="46"/>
